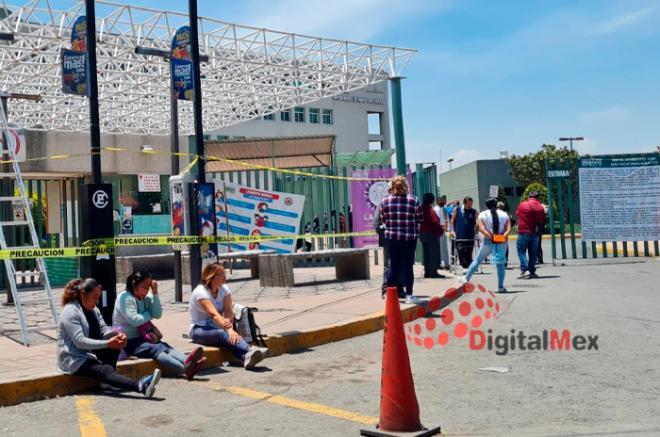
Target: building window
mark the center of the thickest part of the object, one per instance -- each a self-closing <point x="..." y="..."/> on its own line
<point x="520" y="191"/>
<point x="314" y="115"/>
<point x="508" y="191"/>
<point x="285" y="115"/>
<point x="299" y="115"/>
<point x="270" y="116"/>
<point x="327" y="116"/>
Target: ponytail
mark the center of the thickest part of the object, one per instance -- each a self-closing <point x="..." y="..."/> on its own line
<point x="491" y="204"/>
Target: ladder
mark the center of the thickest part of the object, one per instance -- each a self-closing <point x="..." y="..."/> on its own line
<point x="7" y="152"/>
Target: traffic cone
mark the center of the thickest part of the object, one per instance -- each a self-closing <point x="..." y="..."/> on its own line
<point x="399" y="410"/>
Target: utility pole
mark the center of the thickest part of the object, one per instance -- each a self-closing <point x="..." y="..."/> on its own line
<point x="571" y="139"/>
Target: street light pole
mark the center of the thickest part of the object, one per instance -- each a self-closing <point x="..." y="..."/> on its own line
<point x="570" y="140"/>
<point x="450" y="160"/>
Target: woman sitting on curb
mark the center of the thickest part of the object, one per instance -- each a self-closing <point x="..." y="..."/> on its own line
<point x="134" y="309"/>
<point x="86" y="346"/>
<point x="211" y="311"/>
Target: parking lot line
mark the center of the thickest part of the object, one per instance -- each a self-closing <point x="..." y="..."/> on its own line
<point x="90" y="424"/>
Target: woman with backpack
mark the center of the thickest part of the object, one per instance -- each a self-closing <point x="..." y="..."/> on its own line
<point x="135" y="308"/>
<point x="212" y="317"/>
<point x="495" y="226"/>
<point x="86" y="346"/>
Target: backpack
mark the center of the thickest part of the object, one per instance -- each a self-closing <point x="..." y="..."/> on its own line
<point x="245" y="325"/>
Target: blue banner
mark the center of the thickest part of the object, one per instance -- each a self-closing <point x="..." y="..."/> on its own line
<point x="181" y="59"/>
<point x="79" y="34"/>
<point x="74" y="72"/>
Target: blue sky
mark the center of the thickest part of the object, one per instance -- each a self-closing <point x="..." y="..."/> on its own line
<point x="494" y="75"/>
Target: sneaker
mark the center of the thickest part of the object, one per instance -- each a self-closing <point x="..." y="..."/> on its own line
<point x="193" y="358"/>
<point x="523" y="274"/>
<point x="410" y="299"/>
<point x="148" y="384"/>
<point x="192" y="371"/>
<point x="461" y="279"/>
<point x="502" y="290"/>
<point x="254" y="356"/>
<point x="533" y="276"/>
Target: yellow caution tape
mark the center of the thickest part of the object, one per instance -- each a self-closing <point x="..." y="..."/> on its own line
<point x="100" y="247"/>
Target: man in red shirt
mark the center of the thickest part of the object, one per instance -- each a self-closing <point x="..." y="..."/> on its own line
<point x="531" y="218"/>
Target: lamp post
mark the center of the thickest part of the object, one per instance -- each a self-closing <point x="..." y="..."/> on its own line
<point x="450" y="160"/>
<point x="571" y="139"/>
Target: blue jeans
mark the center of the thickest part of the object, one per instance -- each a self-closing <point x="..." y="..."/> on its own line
<point x="402" y="258"/>
<point x="211" y="336"/>
<point x="162" y="352"/>
<point x="484" y="251"/>
<point x="528" y="243"/>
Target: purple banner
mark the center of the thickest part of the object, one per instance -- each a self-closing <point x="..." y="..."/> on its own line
<point x="365" y="197"/>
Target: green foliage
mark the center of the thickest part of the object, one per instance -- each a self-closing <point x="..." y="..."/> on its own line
<point x="539" y="188"/>
<point x="530" y="168"/>
<point x="501" y="197"/>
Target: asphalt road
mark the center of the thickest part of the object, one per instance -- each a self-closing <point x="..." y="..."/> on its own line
<point x="334" y="389"/>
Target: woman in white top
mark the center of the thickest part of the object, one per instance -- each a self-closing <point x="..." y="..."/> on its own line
<point x="212" y="317"/>
<point x="495" y="226"/>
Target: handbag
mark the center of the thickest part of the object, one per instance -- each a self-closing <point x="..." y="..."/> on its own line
<point x="245" y="325"/>
<point x="499" y="238"/>
<point x="150" y="332"/>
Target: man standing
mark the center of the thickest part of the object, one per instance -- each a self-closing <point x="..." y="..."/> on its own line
<point x="442" y="216"/>
<point x="464" y="223"/>
<point x="531" y="219"/>
<point x="401" y="214"/>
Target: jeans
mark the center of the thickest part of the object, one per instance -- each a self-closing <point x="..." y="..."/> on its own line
<point x="402" y="258"/>
<point x="162" y="352"/>
<point x="104" y="370"/>
<point x="211" y="336"/>
<point x="484" y="251"/>
<point x="528" y="243"/>
<point x="444" y="251"/>
<point x="431" y="251"/>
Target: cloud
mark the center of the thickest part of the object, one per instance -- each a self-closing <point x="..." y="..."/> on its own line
<point x="358" y="20"/>
<point x="612" y="113"/>
<point x="621" y="22"/>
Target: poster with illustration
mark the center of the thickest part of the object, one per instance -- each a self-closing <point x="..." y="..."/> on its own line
<point x="206" y="220"/>
<point x="246" y="211"/>
<point x="181" y="59"/>
<point x="365" y="198"/>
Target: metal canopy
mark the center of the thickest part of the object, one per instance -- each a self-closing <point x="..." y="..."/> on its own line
<point x="251" y="71"/>
<point x="287" y="152"/>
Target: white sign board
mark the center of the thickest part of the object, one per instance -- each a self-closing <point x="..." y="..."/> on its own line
<point x="493" y="191"/>
<point x="620" y="198"/>
<point x="17" y="138"/>
<point x="246" y="211"/>
<point x="149" y="183"/>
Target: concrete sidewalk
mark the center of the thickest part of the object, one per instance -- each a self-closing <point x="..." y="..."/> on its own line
<point x="318" y="311"/>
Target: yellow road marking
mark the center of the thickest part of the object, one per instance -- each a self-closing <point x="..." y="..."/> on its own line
<point x="90" y="424"/>
<point x="298" y="405"/>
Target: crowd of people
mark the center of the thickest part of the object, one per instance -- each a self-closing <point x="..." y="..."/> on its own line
<point x="401" y="221"/>
<point x="88" y="347"/>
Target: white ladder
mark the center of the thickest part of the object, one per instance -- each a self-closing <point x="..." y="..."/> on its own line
<point x="7" y="152"/>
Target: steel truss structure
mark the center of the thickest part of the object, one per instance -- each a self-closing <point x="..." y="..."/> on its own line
<point x="250" y="72"/>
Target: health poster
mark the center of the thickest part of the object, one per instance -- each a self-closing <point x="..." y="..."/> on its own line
<point x="246" y="211"/>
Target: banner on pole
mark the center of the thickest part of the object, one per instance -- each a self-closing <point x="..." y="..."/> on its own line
<point x="181" y="59"/>
<point x="75" y="74"/>
<point x="246" y="211"/>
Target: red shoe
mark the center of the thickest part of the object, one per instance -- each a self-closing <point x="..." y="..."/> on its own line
<point x="192" y="358"/>
<point x="190" y="373"/>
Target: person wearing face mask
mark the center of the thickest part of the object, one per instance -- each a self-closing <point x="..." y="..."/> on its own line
<point x="87" y="347"/>
<point x="135" y="309"/>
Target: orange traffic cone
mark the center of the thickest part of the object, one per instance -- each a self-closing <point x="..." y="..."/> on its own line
<point x="399" y="410"/>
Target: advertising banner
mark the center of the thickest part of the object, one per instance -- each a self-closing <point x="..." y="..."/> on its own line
<point x="206" y="220"/>
<point x="620" y="197"/>
<point x="248" y="211"/>
<point x="181" y="59"/>
<point x="365" y="197"/>
<point x="74" y="61"/>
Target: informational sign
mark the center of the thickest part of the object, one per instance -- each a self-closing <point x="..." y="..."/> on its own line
<point x="620" y="197"/>
<point x="493" y="191"/>
<point x="181" y="59"/>
<point x="366" y="196"/>
<point x="207" y="221"/>
<point x="127" y="220"/>
<point x="562" y="173"/>
<point x="246" y="211"/>
<point x="149" y="183"/>
<point x="178" y="201"/>
<point x="17" y="137"/>
<point x="74" y="72"/>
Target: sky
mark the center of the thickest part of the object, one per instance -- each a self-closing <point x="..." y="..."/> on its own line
<point x="496" y="75"/>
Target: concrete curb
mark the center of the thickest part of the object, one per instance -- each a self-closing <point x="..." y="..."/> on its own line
<point x="56" y="384"/>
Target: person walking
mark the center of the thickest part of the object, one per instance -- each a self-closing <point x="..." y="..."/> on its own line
<point x="387" y="265"/>
<point x="464" y="223"/>
<point x="495" y="227"/>
<point x="429" y="235"/>
<point x="401" y="214"/>
<point x="87" y="347"/>
<point x="442" y="217"/>
<point x="531" y="219"/>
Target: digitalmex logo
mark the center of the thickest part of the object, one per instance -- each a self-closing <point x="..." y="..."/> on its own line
<point x="471" y="322"/>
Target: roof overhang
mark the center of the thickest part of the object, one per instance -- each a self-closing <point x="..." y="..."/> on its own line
<point x="251" y="71"/>
<point x="266" y="153"/>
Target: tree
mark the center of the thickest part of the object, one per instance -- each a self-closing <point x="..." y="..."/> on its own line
<point x="530" y="168"/>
